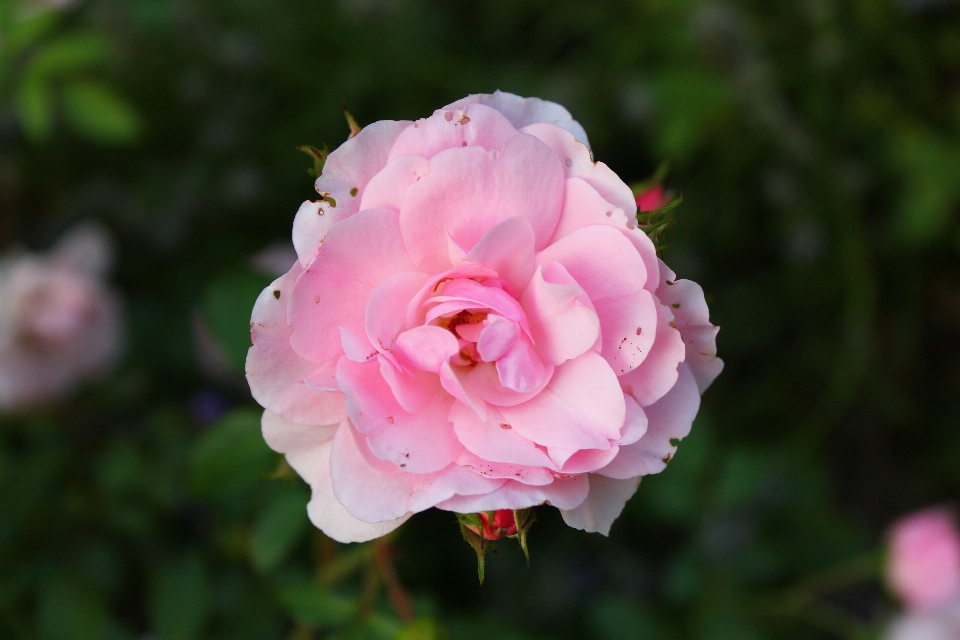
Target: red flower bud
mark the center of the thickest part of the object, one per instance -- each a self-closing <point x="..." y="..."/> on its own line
<point x="503" y="525"/>
<point x="651" y="199"/>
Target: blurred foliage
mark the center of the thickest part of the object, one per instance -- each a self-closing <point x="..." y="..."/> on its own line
<point x="817" y="147"/>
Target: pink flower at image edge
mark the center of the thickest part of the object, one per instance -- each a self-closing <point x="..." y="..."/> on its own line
<point x="924" y="560"/>
<point x="651" y="199"/>
<point x="475" y="323"/>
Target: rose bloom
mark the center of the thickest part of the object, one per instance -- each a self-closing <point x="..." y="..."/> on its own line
<point x="475" y="323"/>
<point x="923" y="567"/>
<point x="59" y="323"/>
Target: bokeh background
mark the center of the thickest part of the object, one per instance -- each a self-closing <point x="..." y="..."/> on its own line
<point x="817" y="147"/>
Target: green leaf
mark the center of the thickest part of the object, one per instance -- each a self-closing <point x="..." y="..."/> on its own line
<point x="180" y="599"/>
<point x="279" y="528"/>
<point x="100" y="113"/>
<point x="35" y="107"/>
<point x="479" y="545"/>
<point x="226" y="306"/>
<point x="70" y="611"/>
<point x="524" y="519"/>
<point x="316" y="606"/>
<point x="230" y="454"/>
<point x="27" y="30"/>
<point x="68" y="55"/>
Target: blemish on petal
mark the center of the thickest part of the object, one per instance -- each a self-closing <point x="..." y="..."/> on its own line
<point x="464" y="143"/>
<point x="609" y="213"/>
<point x="569" y="162"/>
<point x="317" y="301"/>
<point x="353" y="192"/>
<point x="464" y="119"/>
<point x="276" y="294"/>
<point x="390" y="420"/>
<point x="504" y="425"/>
<point x="639" y="330"/>
<point x="675" y="305"/>
<point x="448" y="116"/>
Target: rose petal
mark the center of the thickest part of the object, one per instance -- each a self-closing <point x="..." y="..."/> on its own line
<point x="583" y="207"/>
<point x="523" y="112"/>
<point x="423" y="442"/>
<point x="602" y="506"/>
<point x="561" y="317"/>
<point x="627" y="312"/>
<point x="503" y="470"/>
<point x="495" y="440"/>
<point x="470" y="190"/>
<point x="507" y="248"/>
<point x="375" y="491"/>
<point x="349" y="167"/>
<point x="657" y="374"/>
<point x="275" y="372"/>
<point x="475" y="124"/>
<point x="669" y="420"/>
<point x="358" y="254"/>
<point x="563" y="493"/>
<point x="385" y="190"/>
<point x="499" y="335"/>
<point x="581" y="408"/>
<point x="692" y="317"/>
<point x="427" y="347"/>
<point x="386" y="309"/>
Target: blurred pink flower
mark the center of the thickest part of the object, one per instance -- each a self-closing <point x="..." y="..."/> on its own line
<point x="475" y="323"/>
<point x="924" y="562"/>
<point x="59" y="323"/>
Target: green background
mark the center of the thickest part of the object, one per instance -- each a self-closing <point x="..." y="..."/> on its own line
<point x="817" y="147"/>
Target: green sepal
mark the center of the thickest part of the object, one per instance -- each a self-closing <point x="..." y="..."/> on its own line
<point x="655" y="223"/>
<point x="319" y="157"/>
<point x="524" y="519"/>
<point x="351" y="122"/>
<point x="476" y="541"/>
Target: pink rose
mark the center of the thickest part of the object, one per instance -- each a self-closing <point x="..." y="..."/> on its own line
<point x="924" y="560"/>
<point x="59" y="323"/>
<point x="475" y="323"/>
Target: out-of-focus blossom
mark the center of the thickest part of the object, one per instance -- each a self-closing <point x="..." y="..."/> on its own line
<point x="924" y="563"/>
<point x="476" y="322"/>
<point x="923" y="570"/>
<point x="59" y="322"/>
<point x="652" y="198"/>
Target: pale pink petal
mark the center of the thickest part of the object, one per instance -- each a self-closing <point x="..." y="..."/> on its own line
<point x="461" y="294"/>
<point x="523" y="112"/>
<point x="527" y="475"/>
<point x="452" y="129"/>
<point x="385" y="190"/>
<point x="416" y="313"/>
<point x="375" y="491"/>
<point x="581" y="408"/>
<point x="561" y="316"/>
<point x="348" y="167"/>
<point x="307" y="450"/>
<point x="521" y="369"/>
<point x="685" y="299"/>
<point x="427" y="347"/>
<point x="331" y="517"/>
<point x="484" y="380"/>
<point x="274" y="370"/>
<point x="419" y="443"/>
<point x="498" y="336"/>
<point x="563" y="493"/>
<point x="582" y="460"/>
<point x="299" y="442"/>
<point x="358" y="254"/>
<point x="578" y="163"/>
<point x="583" y="207"/>
<point x="470" y="190"/>
<point x="602" y="506"/>
<point x="413" y="388"/>
<point x="635" y="424"/>
<point x="456" y="383"/>
<point x="387" y="307"/>
<point x="627" y="311"/>
<point x="495" y="440"/>
<point x="507" y="248"/>
<point x="657" y="374"/>
<point x="356" y="345"/>
<point x="669" y="420"/>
